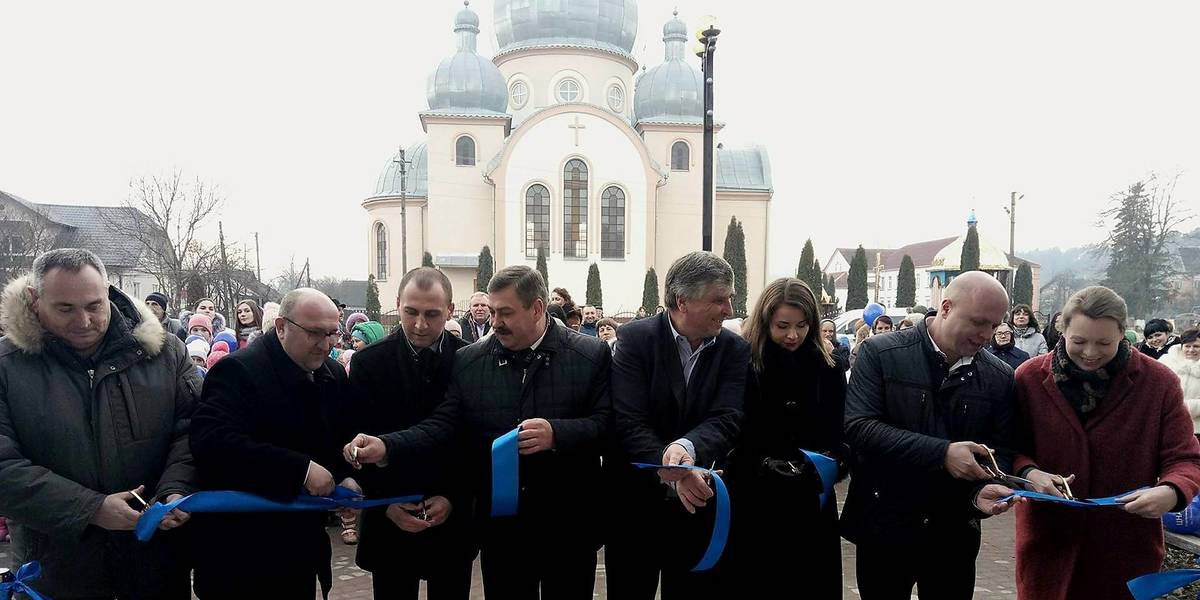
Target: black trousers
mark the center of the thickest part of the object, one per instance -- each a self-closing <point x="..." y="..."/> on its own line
<point x="941" y="563"/>
<point x="665" y="541"/>
<point x="521" y="570"/>
<point x="449" y="582"/>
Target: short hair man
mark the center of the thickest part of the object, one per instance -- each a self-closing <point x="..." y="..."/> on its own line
<point x="395" y="384"/>
<point x="534" y="374"/>
<point x="94" y="409"/>
<point x="923" y="407"/>
<point x="157" y="303"/>
<point x="590" y="316"/>
<point x="476" y="324"/>
<point x="678" y="385"/>
<point x="270" y="422"/>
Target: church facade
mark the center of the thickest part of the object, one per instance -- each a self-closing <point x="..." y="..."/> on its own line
<point x="557" y="142"/>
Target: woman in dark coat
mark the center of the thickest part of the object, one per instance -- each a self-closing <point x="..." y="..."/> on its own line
<point x="1053" y="331"/>
<point x="795" y="399"/>
<point x="1004" y="348"/>
<point x="1114" y="419"/>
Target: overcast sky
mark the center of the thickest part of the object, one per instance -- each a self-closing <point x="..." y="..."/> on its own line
<point x="886" y="122"/>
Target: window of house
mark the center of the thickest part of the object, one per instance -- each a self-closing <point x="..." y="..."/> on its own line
<point x="680" y="156"/>
<point x="612" y="223"/>
<point x="464" y="152"/>
<point x="537" y="220"/>
<point x="575" y="185"/>
<point x="380" y="252"/>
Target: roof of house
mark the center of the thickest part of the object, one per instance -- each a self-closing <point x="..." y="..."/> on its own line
<point x="93" y="228"/>
<point x="1191" y="260"/>
<point x="922" y="254"/>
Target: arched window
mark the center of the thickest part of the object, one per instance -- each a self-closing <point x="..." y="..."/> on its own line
<point x="537" y="220"/>
<point x="575" y="185"/>
<point x="380" y="252"/>
<point x="680" y="156"/>
<point x="464" y="152"/>
<point x="612" y="223"/>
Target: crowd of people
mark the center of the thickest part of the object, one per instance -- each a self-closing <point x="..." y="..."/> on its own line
<point x="105" y="408"/>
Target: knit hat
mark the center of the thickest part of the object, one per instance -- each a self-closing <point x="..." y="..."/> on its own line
<point x="355" y="319"/>
<point x="200" y="320"/>
<point x="158" y="298"/>
<point x="218" y="322"/>
<point x="191" y="338"/>
<point x="1154" y="326"/>
<point x="220" y="346"/>
<point x="196" y="346"/>
<point x="227" y="337"/>
<point x="358" y="335"/>
<point x="1131" y="335"/>
<point x="214" y="357"/>
<point x="372" y="331"/>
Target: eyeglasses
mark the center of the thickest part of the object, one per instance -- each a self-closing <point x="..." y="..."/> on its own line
<point x="314" y="333"/>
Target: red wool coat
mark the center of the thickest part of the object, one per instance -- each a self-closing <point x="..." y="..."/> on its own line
<point x="1140" y="435"/>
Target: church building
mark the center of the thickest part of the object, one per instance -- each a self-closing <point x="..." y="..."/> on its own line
<point x="558" y="142"/>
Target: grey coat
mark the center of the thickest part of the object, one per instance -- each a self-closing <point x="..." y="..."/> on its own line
<point x="70" y="436"/>
<point x="1032" y="342"/>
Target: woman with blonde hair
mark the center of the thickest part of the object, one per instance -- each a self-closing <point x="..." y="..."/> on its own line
<point x="1111" y="420"/>
<point x="795" y="398"/>
<point x="860" y="335"/>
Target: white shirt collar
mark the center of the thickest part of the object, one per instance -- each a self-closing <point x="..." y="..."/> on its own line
<point x="962" y="362"/>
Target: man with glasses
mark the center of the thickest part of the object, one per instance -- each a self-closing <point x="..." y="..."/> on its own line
<point x="267" y="424"/>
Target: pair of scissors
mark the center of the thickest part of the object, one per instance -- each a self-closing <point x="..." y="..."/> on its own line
<point x="996" y="473"/>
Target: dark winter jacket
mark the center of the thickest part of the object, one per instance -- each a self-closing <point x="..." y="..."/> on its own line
<point x="260" y="420"/>
<point x="902" y="412"/>
<point x="1010" y="354"/>
<point x="1157" y="353"/>
<point x="468" y="328"/>
<point x="566" y="382"/>
<point x="393" y="389"/>
<point x="73" y="430"/>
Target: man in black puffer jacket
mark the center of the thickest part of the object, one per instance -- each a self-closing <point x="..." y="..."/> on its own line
<point x="921" y="405"/>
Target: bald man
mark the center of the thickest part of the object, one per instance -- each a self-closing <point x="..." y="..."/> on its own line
<point x="268" y="423"/>
<point x="923" y="407"/>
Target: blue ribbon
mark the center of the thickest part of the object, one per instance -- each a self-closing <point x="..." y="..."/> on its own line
<point x="1148" y="587"/>
<point x="243" y="502"/>
<point x="720" y="533"/>
<point x="1088" y="503"/>
<point x="28" y="572"/>
<point x="506" y="475"/>
<point x="827" y="470"/>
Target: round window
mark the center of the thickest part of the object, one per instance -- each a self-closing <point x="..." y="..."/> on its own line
<point x="518" y="94"/>
<point x="568" y="90"/>
<point x="616" y="97"/>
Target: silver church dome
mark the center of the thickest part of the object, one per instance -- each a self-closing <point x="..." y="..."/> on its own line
<point x="467" y="82"/>
<point x="674" y="90"/>
<point x="604" y="24"/>
<point x="417" y="176"/>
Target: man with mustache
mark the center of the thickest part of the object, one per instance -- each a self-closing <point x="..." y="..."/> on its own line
<point x="534" y="374"/>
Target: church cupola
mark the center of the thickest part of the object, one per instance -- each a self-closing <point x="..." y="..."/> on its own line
<point x="467" y="83"/>
<point x="673" y="91"/>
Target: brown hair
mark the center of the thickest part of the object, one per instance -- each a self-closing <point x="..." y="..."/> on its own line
<point x="255" y="311"/>
<point x="606" y="322"/>
<point x="1189" y="336"/>
<point x="424" y="278"/>
<point x="795" y="293"/>
<point x="1096" y="302"/>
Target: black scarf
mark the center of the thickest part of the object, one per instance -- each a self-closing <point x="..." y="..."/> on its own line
<point x="1084" y="390"/>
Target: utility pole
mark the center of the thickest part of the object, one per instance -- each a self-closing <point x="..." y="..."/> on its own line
<point x="257" y="261"/>
<point x="1011" y="209"/>
<point x="307" y="274"/>
<point x="403" y="212"/>
<point x="878" y="268"/>
<point x="224" y="265"/>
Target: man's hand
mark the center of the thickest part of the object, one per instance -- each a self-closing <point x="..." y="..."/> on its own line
<point x="675" y="454"/>
<point x="174" y="518"/>
<point x="961" y="463"/>
<point x="365" y="450"/>
<point x="114" y="513"/>
<point x="693" y="490"/>
<point x="1151" y="503"/>
<point x="437" y="509"/>
<point x="988" y="499"/>
<point x="319" y="481"/>
<point x="1048" y="483"/>
<point x="536" y="435"/>
<point x="400" y="515"/>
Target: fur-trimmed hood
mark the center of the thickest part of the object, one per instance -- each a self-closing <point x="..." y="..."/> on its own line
<point x="21" y="325"/>
<point x="1175" y="360"/>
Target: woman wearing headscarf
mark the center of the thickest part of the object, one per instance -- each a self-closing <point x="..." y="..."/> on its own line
<point x="1112" y="420"/>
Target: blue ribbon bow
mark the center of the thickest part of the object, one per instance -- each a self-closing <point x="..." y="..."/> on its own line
<point x="243" y="502"/>
<point x="827" y="470"/>
<point x="28" y="572"/>
<point x="506" y="474"/>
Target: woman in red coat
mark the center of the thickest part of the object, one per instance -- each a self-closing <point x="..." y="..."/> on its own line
<point x="1114" y="419"/>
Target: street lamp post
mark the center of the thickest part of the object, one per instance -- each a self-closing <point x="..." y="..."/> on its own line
<point x="707" y="36"/>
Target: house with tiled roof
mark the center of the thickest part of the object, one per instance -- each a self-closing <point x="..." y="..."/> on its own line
<point x="29" y="228"/>
<point x="931" y="260"/>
